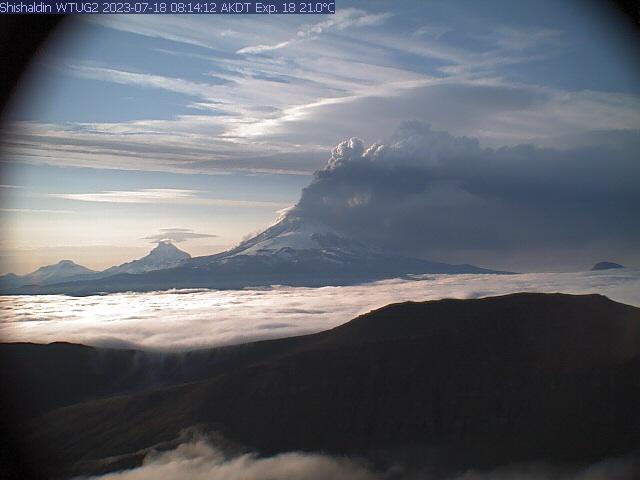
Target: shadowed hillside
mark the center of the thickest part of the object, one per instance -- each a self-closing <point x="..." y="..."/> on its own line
<point x="453" y="382"/>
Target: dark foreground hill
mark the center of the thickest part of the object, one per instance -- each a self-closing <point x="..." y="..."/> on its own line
<point x="454" y="383"/>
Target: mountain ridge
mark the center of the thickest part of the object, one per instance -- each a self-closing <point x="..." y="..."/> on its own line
<point x="477" y="382"/>
<point x="292" y="252"/>
<point x="164" y="255"/>
<point x="56" y="272"/>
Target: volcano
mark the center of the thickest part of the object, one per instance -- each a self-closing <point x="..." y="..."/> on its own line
<point x="164" y="255"/>
<point x="61" y="271"/>
<point x="294" y="251"/>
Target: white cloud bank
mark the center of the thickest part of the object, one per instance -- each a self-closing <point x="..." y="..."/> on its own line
<point x="187" y="319"/>
<point x="198" y="460"/>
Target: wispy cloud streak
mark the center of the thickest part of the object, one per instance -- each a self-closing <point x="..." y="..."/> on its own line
<point x="163" y="196"/>
<point x="342" y="19"/>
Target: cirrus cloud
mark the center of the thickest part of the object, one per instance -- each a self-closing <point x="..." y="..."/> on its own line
<point x="342" y="19"/>
<point x="164" y="195"/>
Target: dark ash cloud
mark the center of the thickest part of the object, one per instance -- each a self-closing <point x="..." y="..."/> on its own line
<point x="432" y="194"/>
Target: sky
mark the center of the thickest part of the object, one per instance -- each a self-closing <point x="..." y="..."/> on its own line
<point x="506" y="134"/>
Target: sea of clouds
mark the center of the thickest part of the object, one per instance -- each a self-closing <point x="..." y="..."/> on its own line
<point x="187" y="319"/>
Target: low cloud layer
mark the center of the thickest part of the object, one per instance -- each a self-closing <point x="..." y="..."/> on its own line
<point x="446" y="198"/>
<point x="187" y="319"/>
<point x="199" y="460"/>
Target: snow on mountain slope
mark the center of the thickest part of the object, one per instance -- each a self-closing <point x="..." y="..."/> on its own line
<point x="164" y="255"/>
<point x="308" y="249"/>
<point x="293" y="233"/>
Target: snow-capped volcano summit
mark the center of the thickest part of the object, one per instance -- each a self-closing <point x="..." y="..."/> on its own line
<point x="63" y="270"/>
<point x="294" y="233"/>
<point x="164" y="255"/>
<point x="299" y="251"/>
<point x="165" y="252"/>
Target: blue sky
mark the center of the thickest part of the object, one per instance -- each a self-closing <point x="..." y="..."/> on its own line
<point x="129" y="124"/>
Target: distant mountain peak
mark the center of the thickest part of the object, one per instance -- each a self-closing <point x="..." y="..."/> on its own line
<point x="68" y="265"/>
<point x="56" y="272"/>
<point x="167" y="247"/>
<point x="164" y="255"/>
<point x="62" y="264"/>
